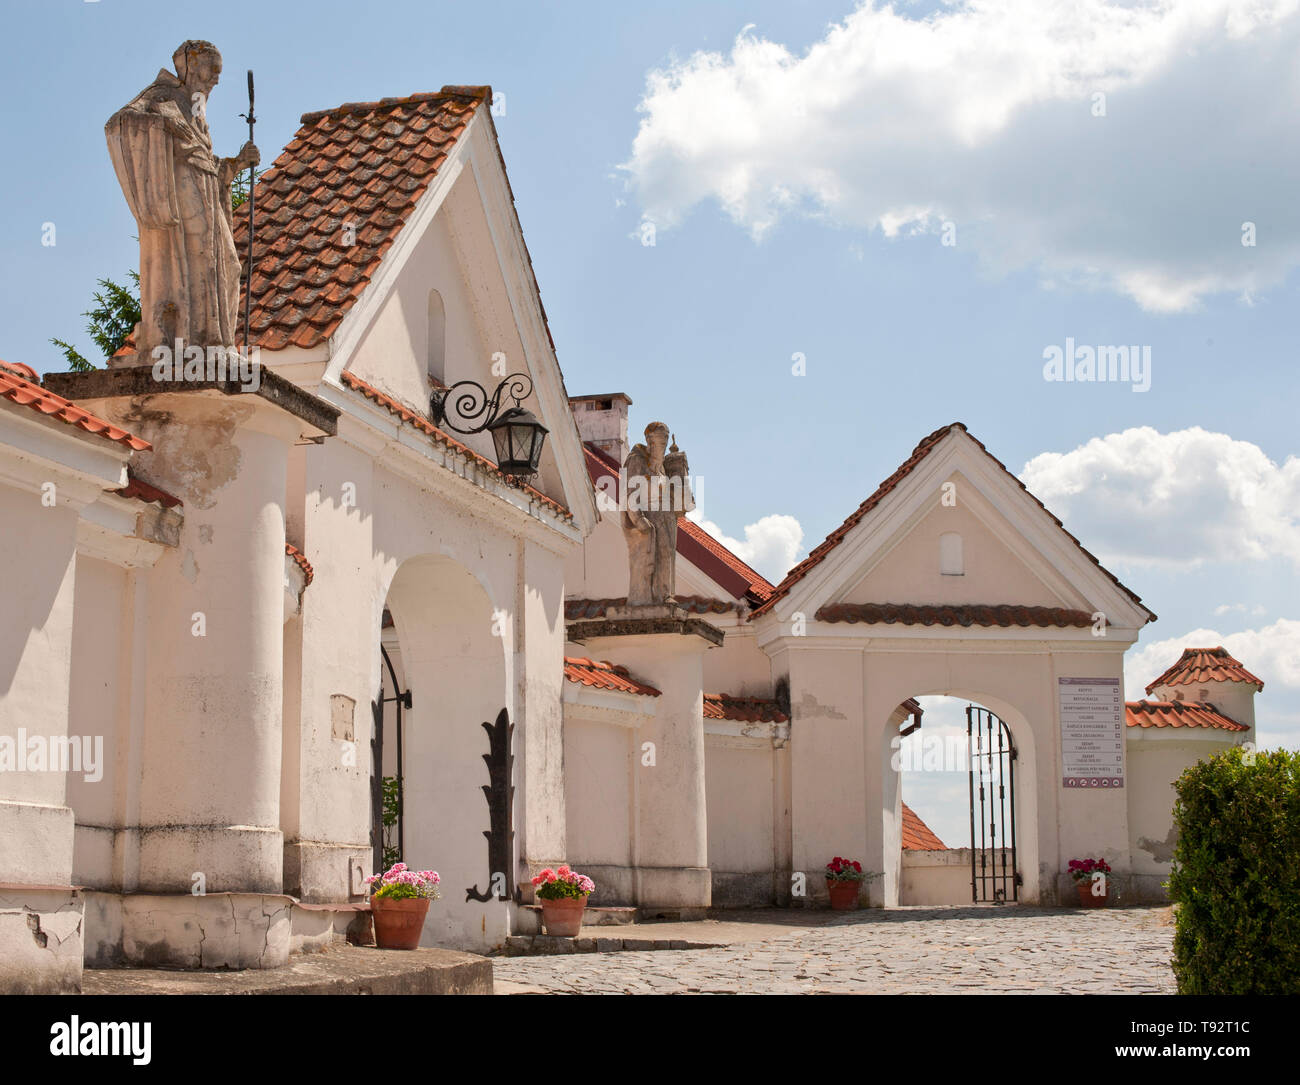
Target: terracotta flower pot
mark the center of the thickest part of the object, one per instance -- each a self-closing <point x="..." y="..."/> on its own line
<point x="398" y="923"/>
<point x="1088" y="900"/>
<point x="844" y="894"/>
<point x="563" y="916"/>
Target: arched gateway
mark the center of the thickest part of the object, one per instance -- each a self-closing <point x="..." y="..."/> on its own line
<point x="953" y="579"/>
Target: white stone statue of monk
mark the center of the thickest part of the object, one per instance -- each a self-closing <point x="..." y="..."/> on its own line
<point x="179" y="192"/>
<point x="657" y="493"/>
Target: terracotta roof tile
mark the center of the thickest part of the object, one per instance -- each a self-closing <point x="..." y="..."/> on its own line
<point x="917" y="835"/>
<point x="302" y="563"/>
<point x="24" y="371"/>
<point x="143" y="491"/>
<point x="581" y="609"/>
<point x="1178" y="714"/>
<point x="927" y="445"/>
<point x="971" y="614"/>
<point x="1205" y="665"/>
<point x="307" y="272"/>
<point x="589" y="672"/>
<point x="722" y="706"/>
<point x="411" y="418"/>
<point x="19" y="389"/>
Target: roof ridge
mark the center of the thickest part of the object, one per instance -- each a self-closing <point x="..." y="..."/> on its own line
<point x="478" y="93"/>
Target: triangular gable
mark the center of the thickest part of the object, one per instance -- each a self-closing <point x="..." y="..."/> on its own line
<point x="343" y="210"/>
<point x="906" y="568"/>
<point x="843" y="561"/>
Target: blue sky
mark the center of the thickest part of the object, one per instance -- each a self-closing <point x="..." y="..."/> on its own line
<point x="800" y="161"/>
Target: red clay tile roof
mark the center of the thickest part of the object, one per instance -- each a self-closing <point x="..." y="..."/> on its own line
<point x="693" y="542"/>
<point x="363" y="165"/>
<point x="580" y="609"/>
<point x="589" y="672"/>
<point x="760" y="588"/>
<point x="302" y="563"/>
<point x="24" y="371"/>
<point x="818" y="555"/>
<point x="142" y="491"/>
<point x="970" y="614"/>
<point x="1178" y="714"/>
<point x="917" y="835"/>
<point x="411" y="418"/>
<point x="1205" y="665"/>
<point x="22" y="391"/>
<point x="722" y="706"/>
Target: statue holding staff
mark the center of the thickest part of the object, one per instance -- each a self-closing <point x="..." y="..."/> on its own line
<point x="179" y="192"/>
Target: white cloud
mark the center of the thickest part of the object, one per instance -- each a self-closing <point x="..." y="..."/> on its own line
<point x="1196" y="496"/>
<point x="983" y="114"/>
<point x="1230" y="608"/>
<point x="771" y="545"/>
<point x="1272" y="654"/>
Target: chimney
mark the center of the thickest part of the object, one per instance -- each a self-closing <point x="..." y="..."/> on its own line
<point x="602" y="421"/>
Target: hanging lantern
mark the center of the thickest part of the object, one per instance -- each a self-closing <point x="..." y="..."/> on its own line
<point x="518" y="437"/>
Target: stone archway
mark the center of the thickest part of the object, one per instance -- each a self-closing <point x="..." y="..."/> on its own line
<point x="1025" y="811"/>
<point x="453" y="662"/>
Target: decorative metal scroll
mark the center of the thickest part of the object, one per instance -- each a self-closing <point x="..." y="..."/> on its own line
<point x="466" y="406"/>
<point x="500" y="792"/>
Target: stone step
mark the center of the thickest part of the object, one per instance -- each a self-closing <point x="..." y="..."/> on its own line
<point x="530" y="917"/>
<point x="339" y="970"/>
<point x="536" y="945"/>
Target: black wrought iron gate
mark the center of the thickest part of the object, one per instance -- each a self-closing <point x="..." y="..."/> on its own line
<point x="380" y="840"/>
<point x="991" y="760"/>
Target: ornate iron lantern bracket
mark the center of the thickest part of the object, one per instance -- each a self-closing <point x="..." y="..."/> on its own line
<point x="467" y="408"/>
<point x="465" y="403"/>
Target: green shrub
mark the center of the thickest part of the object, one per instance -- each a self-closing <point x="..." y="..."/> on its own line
<point x="1236" y="875"/>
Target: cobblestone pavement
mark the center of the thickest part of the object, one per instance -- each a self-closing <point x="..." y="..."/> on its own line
<point x="903" y="951"/>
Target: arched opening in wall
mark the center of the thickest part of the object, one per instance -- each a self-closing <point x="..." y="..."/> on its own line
<point x="436" y="350"/>
<point x="956" y="812"/>
<point x="448" y="684"/>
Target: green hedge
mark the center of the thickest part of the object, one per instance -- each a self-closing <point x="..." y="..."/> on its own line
<point x="1236" y="875"/>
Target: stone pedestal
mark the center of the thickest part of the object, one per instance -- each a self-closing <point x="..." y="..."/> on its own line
<point x="203" y="851"/>
<point x="664" y="647"/>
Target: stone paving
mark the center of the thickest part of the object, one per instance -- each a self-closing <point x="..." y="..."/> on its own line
<point x="972" y="950"/>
